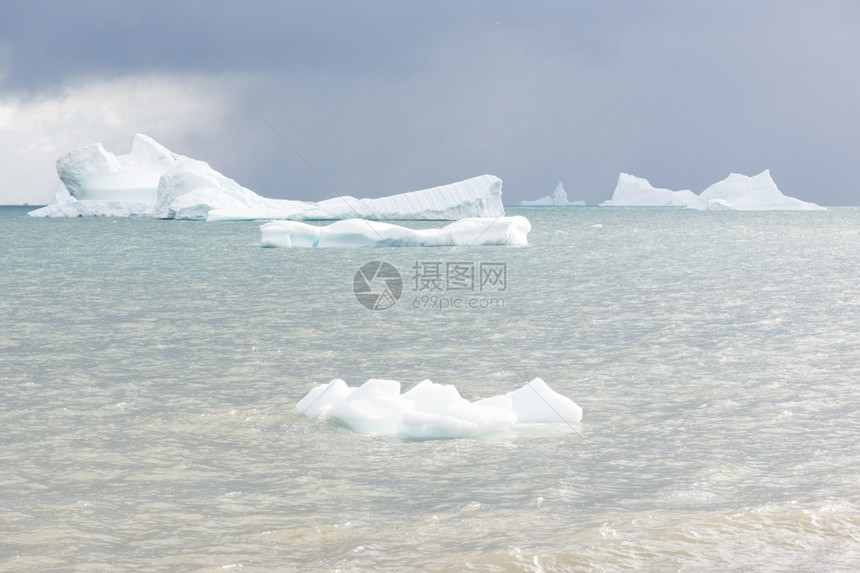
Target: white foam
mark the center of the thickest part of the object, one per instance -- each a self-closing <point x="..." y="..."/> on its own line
<point x="434" y="411"/>
<point x="364" y="233"/>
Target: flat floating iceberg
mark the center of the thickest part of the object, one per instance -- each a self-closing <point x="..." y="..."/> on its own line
<point x="434" y="411"/>
<point x="88" y="208"/>
<point x="734" y="193"/>
<point x="364" y="233"/>
<point x="557" y="199"/>
<point x="153" y="181"/>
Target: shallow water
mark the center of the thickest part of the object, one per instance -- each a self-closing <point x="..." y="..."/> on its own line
<point x="150" y="369"/>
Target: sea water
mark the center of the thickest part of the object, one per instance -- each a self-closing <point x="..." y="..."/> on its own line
<point x="150" y="370"/>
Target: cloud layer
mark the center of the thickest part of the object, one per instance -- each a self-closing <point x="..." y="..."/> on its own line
<point x="386" y="97"/>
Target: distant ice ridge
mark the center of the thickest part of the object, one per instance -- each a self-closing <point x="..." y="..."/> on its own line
<point x="557" y="199"/>
<point x="511" y="231"/>
<point x="476" y="197"/>
<point x="153" y="181"/>
<point x="434" y="411"/>
<point x="632" y="191"/>
<point x="758" y="193"/>
<point x="735" y="192"/>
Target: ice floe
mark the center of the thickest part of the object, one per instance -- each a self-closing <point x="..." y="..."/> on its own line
<point x="434" y="411"/>
<point x="511" y="231"/>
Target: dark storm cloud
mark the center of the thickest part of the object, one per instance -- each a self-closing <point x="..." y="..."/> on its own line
<point x="55" y="41"/>
<point x="384" y="97"/>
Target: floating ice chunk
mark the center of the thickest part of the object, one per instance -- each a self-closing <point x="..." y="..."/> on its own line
<point x="372" y="408"/>
<point x="435" y="398"/>
<point x="538" y="403"/>
<point x="364" y="233"/>
<point x="632" y="191"/>
<point x="319" y="400"/>
<point x="557" y="199"/>
<point x="438" y="411"/>
<point x="757" y="193"/>
<point x="432" y="411"/>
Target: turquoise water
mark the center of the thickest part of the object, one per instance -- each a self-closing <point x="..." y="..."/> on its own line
<point x="150" y="369"/>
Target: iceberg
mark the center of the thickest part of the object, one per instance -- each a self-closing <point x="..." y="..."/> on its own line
<point x="97" y="183"/>
<point x="511" y="231"/>
<point x="557" y="199"/>
<point x="434" y="411"/>
<point x="734" y="193"/>
<point x="479" y="197"/>
<point x="757" y="193"/>
<point x="191" y="190"/>
<point x="153" y="181"/>
<point x="632" y="191"/>
<point x="94" y="174"/>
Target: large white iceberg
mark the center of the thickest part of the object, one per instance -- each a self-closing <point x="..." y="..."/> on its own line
<point x="757" y="193"/>
<point x="632" y="191"/>
<point x="153" y="181"/>
<point x="97" y="183"/>
<point x="557" y="199"/>
<point x="735" y="192"/>
<point x="94" y="174"/>
<point x="434" y="411"/>
<point x="365" y="233"/>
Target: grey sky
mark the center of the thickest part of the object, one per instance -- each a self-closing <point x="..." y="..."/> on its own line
<point x="386" y="97"/>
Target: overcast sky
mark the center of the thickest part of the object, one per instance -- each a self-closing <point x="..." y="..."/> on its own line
<point x="384" y="97"/>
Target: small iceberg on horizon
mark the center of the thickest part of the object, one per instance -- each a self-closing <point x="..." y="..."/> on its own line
<point x="434" y="411"/>
<point x="557" y="199"/>
<point x="511" y="231"/>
